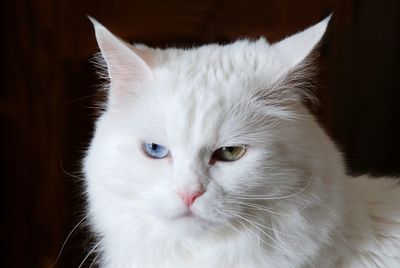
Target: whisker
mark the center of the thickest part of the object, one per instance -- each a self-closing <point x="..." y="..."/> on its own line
<point x="250" y="222"/>
<point x="268" y="197"/>
<point x="230" y="226"/>
<point x="255" y="207"/>
<point x="258" y="238"/>
<point x="246" y="230"/>
<point x="66" y="172"/>
<point x="254" y="218"/>
<point x="94" y="259"/>
<point x="254" y="224"/>
<point x="79" y="99"/>
<point x="67" y="238"/>
<point x="90" y="253"/>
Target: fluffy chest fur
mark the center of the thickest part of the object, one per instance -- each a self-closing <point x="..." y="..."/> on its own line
<point x="207" y="157"/>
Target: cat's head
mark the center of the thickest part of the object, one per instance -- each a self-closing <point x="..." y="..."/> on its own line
<point x="193" y="139"/>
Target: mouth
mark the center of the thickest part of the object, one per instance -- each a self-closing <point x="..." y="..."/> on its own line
<point x="190" y="224"/>
<point x="187" y="214"/>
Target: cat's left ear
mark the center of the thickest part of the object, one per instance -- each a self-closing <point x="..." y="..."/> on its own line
<point x="294" y="49"/>
<point x="127" y="67"/>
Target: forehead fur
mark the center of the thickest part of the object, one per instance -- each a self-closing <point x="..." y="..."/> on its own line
<point x="216" y="64"/>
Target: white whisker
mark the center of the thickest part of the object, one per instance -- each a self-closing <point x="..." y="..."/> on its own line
<point x="232" y="227"/>
<point x="67" y="238"/>
<point x="94" y="259"/>
<point x="250" y="222"/>
<point x="90" y="253"/>
<point x="268" y="197"/>
<point x="254" y="207"/>
<point x="254" y="218"/>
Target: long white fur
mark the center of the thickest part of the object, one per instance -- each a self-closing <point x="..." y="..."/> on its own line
<point x="286" y="203"/>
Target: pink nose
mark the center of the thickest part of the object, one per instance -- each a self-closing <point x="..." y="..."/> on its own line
<point x="190" y="197"/>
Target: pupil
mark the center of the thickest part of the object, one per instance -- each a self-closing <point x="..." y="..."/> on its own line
<point x="231" y="149"/>
<point x="154" y="146"/>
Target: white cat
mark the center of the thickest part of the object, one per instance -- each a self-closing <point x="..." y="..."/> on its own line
<point x="206" y="157"/>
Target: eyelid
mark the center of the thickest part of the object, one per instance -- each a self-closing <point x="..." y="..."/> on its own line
<point x="231" y="145"/>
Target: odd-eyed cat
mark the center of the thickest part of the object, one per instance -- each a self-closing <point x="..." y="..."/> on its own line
<point x="207" y="157"/>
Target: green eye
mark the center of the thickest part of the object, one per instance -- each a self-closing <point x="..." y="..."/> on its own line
<point x="229" y="153"/>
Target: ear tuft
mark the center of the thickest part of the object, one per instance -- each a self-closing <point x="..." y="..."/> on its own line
<point x="294" y="49"/>
<point x="94" y="21"/>
<point x="126" y="70"/>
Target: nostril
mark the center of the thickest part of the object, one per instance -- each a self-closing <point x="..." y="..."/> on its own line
<point x="190" y="197"/>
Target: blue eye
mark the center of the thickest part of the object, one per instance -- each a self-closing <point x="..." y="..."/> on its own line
<point x="155" y="150"/>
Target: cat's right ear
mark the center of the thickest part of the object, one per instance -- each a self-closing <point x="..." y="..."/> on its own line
<point x="126" y="70"/>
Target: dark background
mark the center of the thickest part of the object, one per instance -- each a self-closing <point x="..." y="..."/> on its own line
<point x="48" y="87"/>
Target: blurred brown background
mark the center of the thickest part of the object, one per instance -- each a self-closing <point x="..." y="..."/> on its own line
<point x="48" y="87"/>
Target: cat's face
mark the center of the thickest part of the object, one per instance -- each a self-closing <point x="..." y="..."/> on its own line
<point x="191" y="128"/>
<point x="190" y="137"/>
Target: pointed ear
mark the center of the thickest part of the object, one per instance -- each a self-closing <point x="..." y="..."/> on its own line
<point x="294" y="49"/>
<point x="126" y="69"/>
